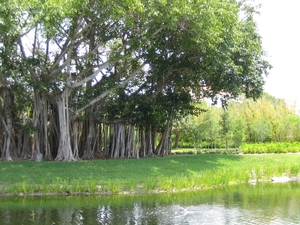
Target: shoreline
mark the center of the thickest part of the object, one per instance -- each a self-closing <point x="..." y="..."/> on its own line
<point x="145" y="175"/>
<point x="281" y="180"/>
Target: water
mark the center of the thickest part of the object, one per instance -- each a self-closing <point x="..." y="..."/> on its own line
<point x="261" y="204"/>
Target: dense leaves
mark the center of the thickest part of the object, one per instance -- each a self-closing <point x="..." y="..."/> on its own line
<point x="265" y="120"/>
<point x="87" y="74"/>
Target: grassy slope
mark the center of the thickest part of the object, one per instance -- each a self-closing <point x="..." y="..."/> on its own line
<point x="168" y="173"/>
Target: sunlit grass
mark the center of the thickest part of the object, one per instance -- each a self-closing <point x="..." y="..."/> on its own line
<point x="174" y="173"/>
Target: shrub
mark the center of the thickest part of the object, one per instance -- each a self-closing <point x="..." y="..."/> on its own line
<point x="272" y="147"/>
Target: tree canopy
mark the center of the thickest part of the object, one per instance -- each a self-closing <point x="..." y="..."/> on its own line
<point x="80" y="77"/>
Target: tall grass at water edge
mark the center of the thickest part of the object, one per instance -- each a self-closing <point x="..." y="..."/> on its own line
<point x="174" y="173"/>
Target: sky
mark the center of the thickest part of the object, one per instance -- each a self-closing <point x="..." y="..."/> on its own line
<point x="279" y="26"/>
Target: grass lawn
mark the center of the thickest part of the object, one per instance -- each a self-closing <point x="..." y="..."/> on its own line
<point x="174" y="173"/>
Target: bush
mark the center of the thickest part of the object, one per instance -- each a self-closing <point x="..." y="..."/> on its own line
<point x="185" y="145"/>
<point x="272" y="147"/>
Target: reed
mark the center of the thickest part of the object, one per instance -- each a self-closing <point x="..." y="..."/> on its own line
<point x="150" y="184"/>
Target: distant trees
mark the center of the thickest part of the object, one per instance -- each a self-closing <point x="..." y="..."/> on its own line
<point x="266" y="119"/>
<point x="109" y="78"/>
<point x="261" y="129"/>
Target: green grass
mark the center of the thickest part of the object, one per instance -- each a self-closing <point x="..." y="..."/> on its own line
<point x="174" y="173"/>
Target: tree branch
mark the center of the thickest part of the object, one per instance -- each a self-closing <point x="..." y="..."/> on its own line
<point x="93" y="76"/>
<point x="105" y="93"/>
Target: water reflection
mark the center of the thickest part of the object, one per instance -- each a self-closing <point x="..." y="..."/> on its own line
<point x="275" y="204"/>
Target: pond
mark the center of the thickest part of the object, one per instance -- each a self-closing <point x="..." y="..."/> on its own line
<point x="260" y="204"/>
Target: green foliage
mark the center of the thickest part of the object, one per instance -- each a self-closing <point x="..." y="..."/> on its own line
<point x="183" y="144"/>
<point x="238" y="135"/>
<point x="191" y="151"/>
<point x="273" y="147"/>
<point x="145" y="111"/>
<point x="261" y="129"/>
<point x="265" y="120"/>
<point x="134" y="61"/>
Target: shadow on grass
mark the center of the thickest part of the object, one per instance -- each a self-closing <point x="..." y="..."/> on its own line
<point x="122" y="169"/>
<point x="191" y="164"/>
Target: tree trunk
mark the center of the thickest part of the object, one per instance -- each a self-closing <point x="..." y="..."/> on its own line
<point x="149" y="142"/>
<point x="53" y="130"/>
<point x="1" y="138"/>
<point x="98" y="153"/>
<point x="7" y="121"/>
<point x="25" y="146"/>
<point x="7" y="138"/>
<point x="112" y="140"/>
<point x="177" y="136"/>
<point x="64" y="152"/>
<point x="105" y="140"/>
<point x="118" y="146"/>
<point x="40" y="123"/>
<point x="165" y="144"/>
<point x="137" y="143"/>
<point x="143" y="143"/>
<point x="122" y="138"/>
<point x="88" y="135"/>
<point x="74" y="139"/>
<point x="45" y="141"/>
<point x="130" y="142"/>
<point x="36" y="124"/>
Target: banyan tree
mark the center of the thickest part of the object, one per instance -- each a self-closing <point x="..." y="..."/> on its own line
<point x="106" y="79"/>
